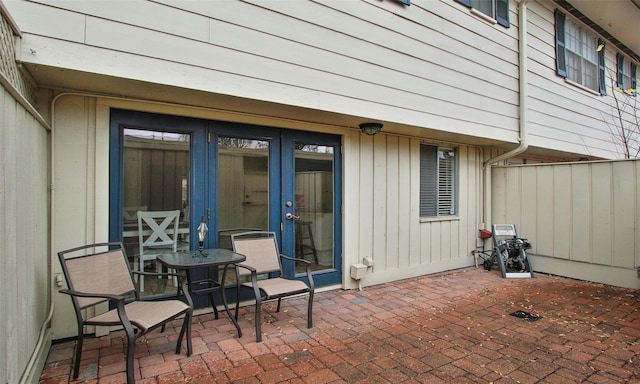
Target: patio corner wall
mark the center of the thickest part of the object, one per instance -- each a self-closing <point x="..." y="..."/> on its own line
<point x="24" y="222"/>
<point x="581" y="218"/>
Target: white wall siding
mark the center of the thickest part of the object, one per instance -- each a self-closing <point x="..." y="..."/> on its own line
<point x="562" y="116"/>
<point x="582" y="218"/>
<point x="430" y="65"/>
<point x="420" y="65"/>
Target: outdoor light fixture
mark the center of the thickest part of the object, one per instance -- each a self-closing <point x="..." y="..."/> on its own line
<point x="202" y="234"/>
<point x="371" y="128"/>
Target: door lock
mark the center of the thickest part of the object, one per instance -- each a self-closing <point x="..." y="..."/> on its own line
<point x="291" y="216"/>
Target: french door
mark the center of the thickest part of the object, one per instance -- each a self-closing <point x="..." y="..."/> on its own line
<point x="283" y="181"/>
<point x="236" y="178"/>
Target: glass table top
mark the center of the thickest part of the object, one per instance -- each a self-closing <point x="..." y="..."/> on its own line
<point x="198" y="259"/>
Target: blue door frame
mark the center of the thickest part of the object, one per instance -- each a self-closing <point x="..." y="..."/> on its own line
<point x="290" y="140"/>
<point x="204" y="181"/>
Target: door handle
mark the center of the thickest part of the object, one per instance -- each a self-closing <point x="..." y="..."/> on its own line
<point x="291" y="216"/>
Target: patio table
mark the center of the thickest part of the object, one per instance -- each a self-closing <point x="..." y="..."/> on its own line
<point x="207" y="258"/>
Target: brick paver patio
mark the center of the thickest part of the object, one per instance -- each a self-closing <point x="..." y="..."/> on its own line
<point x="452" y="327"/>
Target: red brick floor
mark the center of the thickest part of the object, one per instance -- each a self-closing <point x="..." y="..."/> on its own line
<point x="451" y="327"/>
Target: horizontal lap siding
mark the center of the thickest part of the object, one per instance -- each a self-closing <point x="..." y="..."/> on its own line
<point x="414" y="65"/>
<point x="562" y="116"/>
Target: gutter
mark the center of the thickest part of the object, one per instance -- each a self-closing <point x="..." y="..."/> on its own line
<point x="523" y="95"/>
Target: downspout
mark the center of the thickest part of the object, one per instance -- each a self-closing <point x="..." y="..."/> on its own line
<point x="523" y="94"/>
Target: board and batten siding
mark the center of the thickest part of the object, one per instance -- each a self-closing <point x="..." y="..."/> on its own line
<point x="24" y="240"/>
<point x="583" y="219"/>
<point x="430" y="65"/>
<point x="381" y="212"/>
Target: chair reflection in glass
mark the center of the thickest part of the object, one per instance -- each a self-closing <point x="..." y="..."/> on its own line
<point x="157" y="232"/>
<point x="263" y="268"/>
<point x="130" y="213"/>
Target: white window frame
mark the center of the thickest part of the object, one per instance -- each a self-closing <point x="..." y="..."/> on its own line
<point x="488" y="7"/>
<point x="493" y="11"/>
<point x="580" y="55"/>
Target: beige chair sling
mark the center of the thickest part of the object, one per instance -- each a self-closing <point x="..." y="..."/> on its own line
<point x="263" y="267"/>
<point x="99" y="273"/>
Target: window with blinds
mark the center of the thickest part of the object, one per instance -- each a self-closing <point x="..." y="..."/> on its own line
<point x="437" y="181"/>
<point x="580" y="55"/>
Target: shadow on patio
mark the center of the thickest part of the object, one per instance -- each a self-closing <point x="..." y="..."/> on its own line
<point x="449" y="327"/>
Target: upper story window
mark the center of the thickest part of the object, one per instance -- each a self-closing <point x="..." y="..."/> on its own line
<point x="626" y="75"/>
<point x="438" y="181"/>
<point x="579" y="54"/>
<point x="497" y="10"/>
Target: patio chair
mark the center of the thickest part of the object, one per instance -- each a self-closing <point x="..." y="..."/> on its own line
<point x="99" y="273"/>
<point x="263" y="267"/>
<point x="157" y="232"/>
<point x="129" y="214"/>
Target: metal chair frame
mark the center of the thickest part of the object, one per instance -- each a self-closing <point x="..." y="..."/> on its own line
<point x="263" y="267"/>
<point x="96" y="277"/>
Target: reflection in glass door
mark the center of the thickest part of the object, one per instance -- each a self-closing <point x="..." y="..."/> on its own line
<point x="314" y="206"/>
<point x="285" y="182"/>
<point x="155" y="178"/>
<point x="243" y="187"/>
<point x="311" y="224"/>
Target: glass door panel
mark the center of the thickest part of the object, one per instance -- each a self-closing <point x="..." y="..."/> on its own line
<point x="156" y="168"/>
<point x="310" y="170"/>
<point x="314" y="199"/>
<point x="243" y="187"/>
